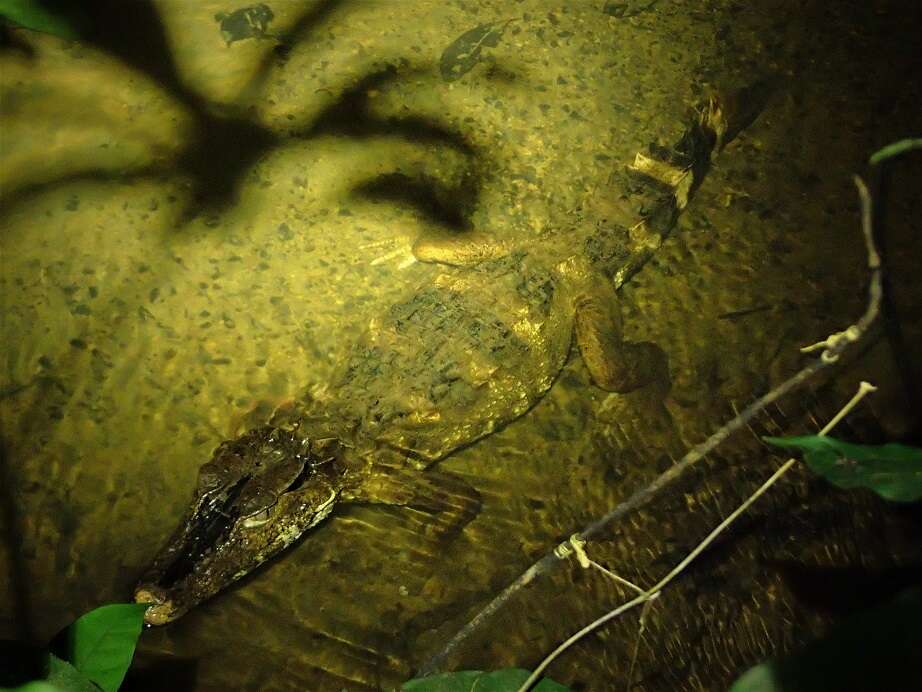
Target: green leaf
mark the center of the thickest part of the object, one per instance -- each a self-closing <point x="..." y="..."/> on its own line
<point x="893" y="471"/>
<point x="37" y="686"/>
<point x="32" y="14"/>
<point x="895" y="149"/>
<point x="100" y="644"/>
<point x="760" y="678"/>
<point x="505" y="680"/>
<point x="877" y="649"/>
<point x="63" y="676"/>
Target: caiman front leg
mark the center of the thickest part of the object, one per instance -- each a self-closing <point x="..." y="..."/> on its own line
<point x="640" y="420"/>
<point x="450" y="501"/>
<point x="616" y="365"/>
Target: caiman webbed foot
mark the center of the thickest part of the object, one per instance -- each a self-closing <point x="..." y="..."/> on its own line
<point x="450" y="501"/>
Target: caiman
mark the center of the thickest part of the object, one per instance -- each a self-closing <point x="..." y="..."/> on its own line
<point x="461" y="357"/>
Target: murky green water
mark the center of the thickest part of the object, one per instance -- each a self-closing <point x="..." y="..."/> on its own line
<point x="141" y="328"/>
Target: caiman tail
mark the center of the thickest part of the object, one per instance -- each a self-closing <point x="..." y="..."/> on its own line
<point x="666" y="178"/>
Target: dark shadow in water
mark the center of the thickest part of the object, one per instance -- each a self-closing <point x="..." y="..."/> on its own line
<point x="12" y="537"/>
<point x="24" y="194"/>
<point x="158" y="672"/>
<point x="223" y="153"/>
<point x="426" y="195"/>
<point x="349" y="115"/>
<point x="134" y="33"/>
<point x="910" y="377"/>
<point x="842" y="590"/>
<point x="218" y="158"/>
<point x="227" y="144"/>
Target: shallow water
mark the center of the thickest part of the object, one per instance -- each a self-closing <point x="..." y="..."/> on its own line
<point x="140" y="328"/>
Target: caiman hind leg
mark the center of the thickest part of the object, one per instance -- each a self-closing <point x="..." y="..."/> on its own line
<point x="458" y="250"/>
<point x="449" y="501"/>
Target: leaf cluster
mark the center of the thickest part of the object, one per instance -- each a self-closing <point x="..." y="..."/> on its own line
<point x="91" y="654"/>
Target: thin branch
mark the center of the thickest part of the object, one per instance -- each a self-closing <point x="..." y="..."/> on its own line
<point x="655" y="590"/>
<point x="834" y="346"/>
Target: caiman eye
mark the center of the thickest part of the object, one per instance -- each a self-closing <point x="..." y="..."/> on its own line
<point x="209" y="477"/>
<point x="255" y="501"/>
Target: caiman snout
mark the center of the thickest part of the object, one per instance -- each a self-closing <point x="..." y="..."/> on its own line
<point x="257" y="496"/>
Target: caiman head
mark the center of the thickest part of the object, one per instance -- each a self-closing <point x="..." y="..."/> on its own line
<point x="255" y="497"/>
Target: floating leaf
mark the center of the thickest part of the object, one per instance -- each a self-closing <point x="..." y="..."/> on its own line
<point x="893" y="471"/>
<point x="101" y="643"/>
<point x="247" y="22"/>
<point x="874" y="650"/>
<point x="34" y="15"/>
<point x="465" y="51"/>
<point x="895" y="149"/>
<point x="505" y="680"/>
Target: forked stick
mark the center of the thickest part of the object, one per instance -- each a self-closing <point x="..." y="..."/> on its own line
<point x="654" y="591"/>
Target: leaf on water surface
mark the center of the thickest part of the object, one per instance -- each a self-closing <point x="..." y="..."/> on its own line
<point x="244" y="23"/>
<point x="893" y="471"/>
<point x="101" y="643"/>
<point x="504" y="680"/>
<point x="465" y="51"/>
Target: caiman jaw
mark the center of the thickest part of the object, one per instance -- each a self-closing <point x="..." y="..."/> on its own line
<point x="256" y="497"/>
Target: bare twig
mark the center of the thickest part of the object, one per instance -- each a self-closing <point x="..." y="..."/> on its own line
<point x="641" y="628"/>
<point x="833" y="348"/>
